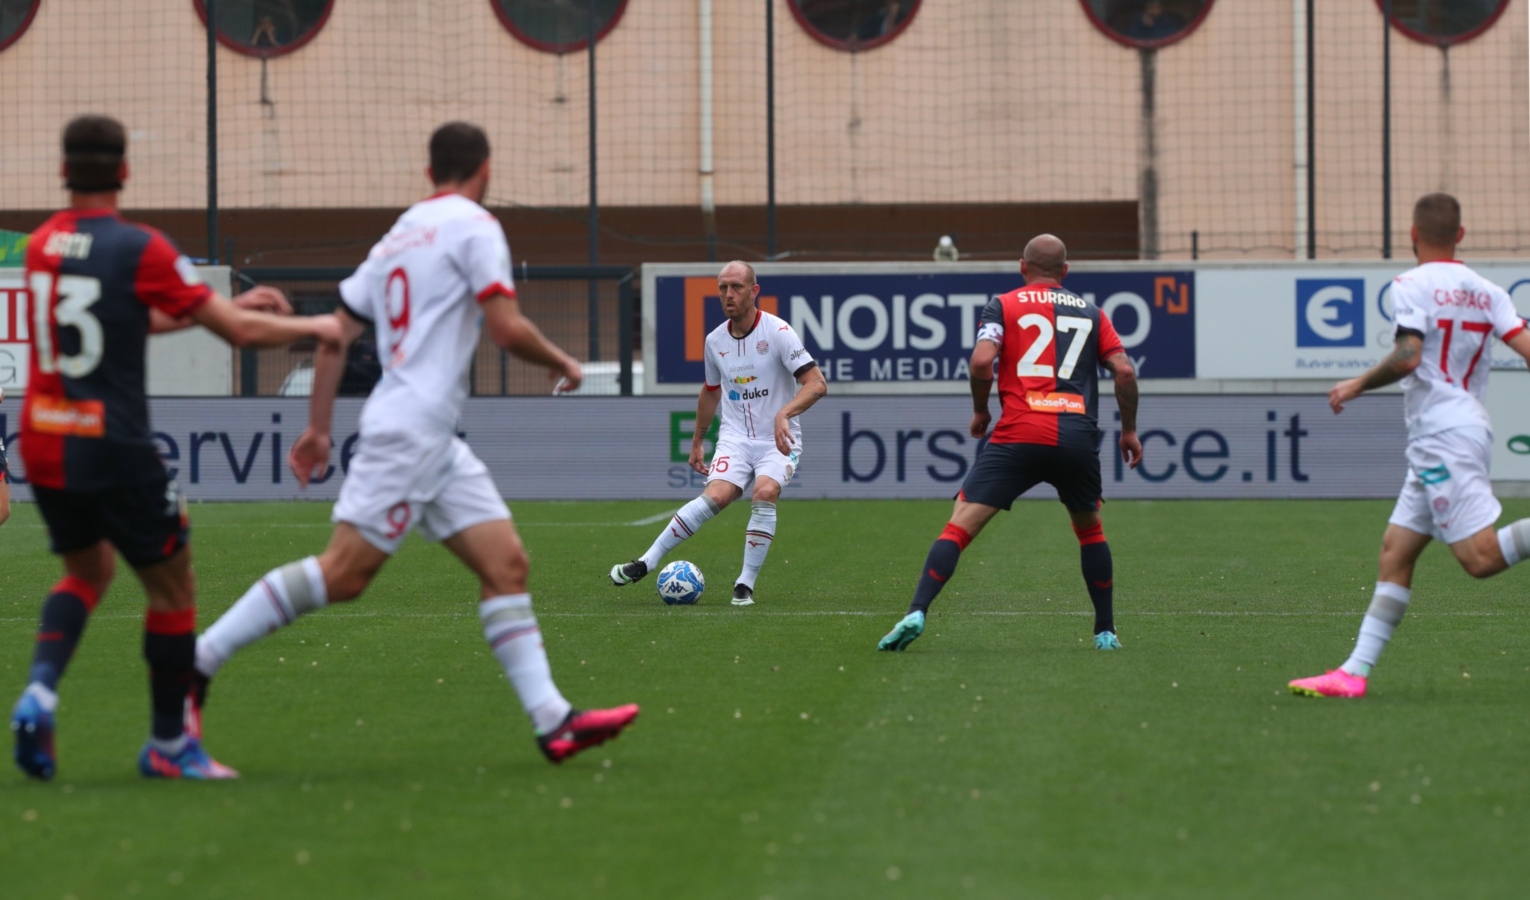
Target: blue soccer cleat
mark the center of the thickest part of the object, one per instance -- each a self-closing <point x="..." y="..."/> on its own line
<point x="903" y="633"/>
<point x="192" y="762"/>
<point x="33" y="727"/>
<point x="1106" y="640"/>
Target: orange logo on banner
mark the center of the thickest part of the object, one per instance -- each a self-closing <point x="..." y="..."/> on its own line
<point x="1165" y="288"/>
<point x="1055" y="403"/>
<point x="697" y="292"/>
<point x="73" y="418"/>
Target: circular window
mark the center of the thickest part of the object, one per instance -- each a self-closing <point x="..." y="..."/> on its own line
<point x="1146" y="23"/>
<point x="854" y="25"/>
<point x="558" y="26"/>
<point x="267" y="28"/>
<point x="15" y="16"/>
<point x="1444" y="22"/>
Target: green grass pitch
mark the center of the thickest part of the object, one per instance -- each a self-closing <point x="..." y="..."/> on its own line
<point x="778" y="754"/>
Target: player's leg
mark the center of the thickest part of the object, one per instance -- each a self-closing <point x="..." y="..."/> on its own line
<point x="759" y="534"/>
<point x="724" y="485"/>
<point x="291" y="591"/>
<point x="75" y="533"/>
<point x="1099" y="575"/>
<point x="169" y="647"/>
<point x="471" y="516"/>
<point x="967" y="520"/>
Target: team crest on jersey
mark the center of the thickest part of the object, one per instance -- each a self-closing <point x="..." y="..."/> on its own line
<point x="762" y="346"/>
<point x="1441" y="504"/>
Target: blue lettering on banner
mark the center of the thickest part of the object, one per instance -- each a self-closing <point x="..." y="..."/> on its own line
<point x="921" y="326"/>
<point x="1330" y="312"/>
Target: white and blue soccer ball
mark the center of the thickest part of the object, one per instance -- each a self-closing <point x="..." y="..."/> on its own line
<point x="681" y="582"/>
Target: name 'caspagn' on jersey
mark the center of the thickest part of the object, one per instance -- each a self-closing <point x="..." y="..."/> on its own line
<point x="1458" y="312"/>
<point x="757" y="375"/>
<point x="1051" y="342"/>
<point x="92" y="278"/>
<point x="420" y="288"/>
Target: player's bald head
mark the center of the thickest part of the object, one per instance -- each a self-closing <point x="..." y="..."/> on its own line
<point x="1046" y="255"/>
<point x="94" y="147"/>
<point x="1437" y="217"/>
<point x="740" y="270"/>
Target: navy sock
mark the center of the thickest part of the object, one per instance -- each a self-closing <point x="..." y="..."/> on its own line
<point x="64" y="616"/>
<point x="939" y="566"/>
<point x="1099" y="579"/>
<point x="170" y="647"/>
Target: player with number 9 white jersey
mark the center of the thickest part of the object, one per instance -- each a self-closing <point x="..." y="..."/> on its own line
<point x="421" y="287"/>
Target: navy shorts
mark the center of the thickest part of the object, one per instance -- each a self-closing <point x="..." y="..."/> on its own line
<point x="1005" y="471"/>
<point x="146" y="522"/>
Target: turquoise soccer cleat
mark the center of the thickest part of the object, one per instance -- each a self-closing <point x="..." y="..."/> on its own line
<point x="903" y="633"/>
<point x="1106" y="640"/>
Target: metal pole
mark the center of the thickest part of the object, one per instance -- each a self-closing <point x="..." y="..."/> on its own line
<point x="1386" y="131"/>
<point x="770" y="129"/>
<point x="1311" y="139"/>
<point x="594" y="225"/>
<point x="212" y="130"/>
<point x="624" y="334"/>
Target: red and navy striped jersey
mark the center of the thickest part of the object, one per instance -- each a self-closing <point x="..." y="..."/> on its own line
<point x="92" y="279"/>
<point x="1051" y="342"/>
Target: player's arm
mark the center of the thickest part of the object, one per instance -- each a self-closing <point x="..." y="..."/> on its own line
<point x="1519" y="342"/>
<point x="980" y="379"/>
<point x="811" y="387"/>
<point x="259" y="298"/>
<point x="248" y="328"/>
<point x="510" y="330"/>
<point x="310" y="452"/>
<point x="1407" y="350"/>
<point x="1125" y="375"/>
<point x="706" y="409"/>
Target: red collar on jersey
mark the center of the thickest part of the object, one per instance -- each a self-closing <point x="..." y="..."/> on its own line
<point x="752" y="326"/>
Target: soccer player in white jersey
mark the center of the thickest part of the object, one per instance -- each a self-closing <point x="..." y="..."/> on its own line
<point x="1446" y="316"/>
<point x="762" y="378"/>
<point x="427" y="286"/>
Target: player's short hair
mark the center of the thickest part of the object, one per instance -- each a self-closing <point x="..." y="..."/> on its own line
<point x="94" y="146"/>
<point x="1437" y="217"/>
<point x="457" y="151"/>
<point x="748" y="269"/>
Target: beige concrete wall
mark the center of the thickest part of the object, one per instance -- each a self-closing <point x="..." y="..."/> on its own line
<point x="978" y="101"/>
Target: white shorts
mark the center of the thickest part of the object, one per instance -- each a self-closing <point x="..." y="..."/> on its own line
<point x="1447" y="494"/>
<point x="737" y="461"/>
<point x="398" y="482"/>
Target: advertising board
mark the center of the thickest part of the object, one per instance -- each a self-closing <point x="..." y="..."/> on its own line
<point x="590" y="448"/>
<point x="903" y="328"/>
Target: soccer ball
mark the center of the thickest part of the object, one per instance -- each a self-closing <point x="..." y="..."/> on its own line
<point x="681" y="582"/>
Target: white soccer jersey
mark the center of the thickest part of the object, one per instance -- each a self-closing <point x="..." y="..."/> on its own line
<point x="420" y="287"/>
<point x="1459" y="313"/>
<point x="757" y="375"/>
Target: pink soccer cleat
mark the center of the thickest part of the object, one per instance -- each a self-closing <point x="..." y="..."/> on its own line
<point x="1337" y="683"/>
<point x="582" y="730"/>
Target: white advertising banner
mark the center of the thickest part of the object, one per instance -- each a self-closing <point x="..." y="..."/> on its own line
<point x="1308" y="320"/>
<point x="855" y="447"/>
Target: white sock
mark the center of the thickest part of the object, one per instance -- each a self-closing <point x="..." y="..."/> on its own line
<point x="274" y="601"/>
<point x="516" y="641"/>
<point x="1514" y="541"/>
<point x="757" y="540"/>
<point x="685" y="523"/>
<point x="1382" y="618"/>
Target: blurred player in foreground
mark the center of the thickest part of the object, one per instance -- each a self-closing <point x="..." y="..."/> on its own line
<point x="769" y="379"/>
<point x="428" y="287"/>
<point x="1049" y="344"/>
<point x="5" y="476"/>
<point x="1446" y="316"/>
<point x="100" y="285"/>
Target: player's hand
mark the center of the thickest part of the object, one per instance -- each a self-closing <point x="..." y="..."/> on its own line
<point x="1131" y="449"/>
<point x="699" y="458"/>
<point x="980" y="423"/>
<point x="1342" y="393"/>
<point x="327" y="330"/>
<point x="783" y="435"/>
<point x="263" y="298"/>
<point x="309" y="456"/>
<point x="570" y="375"/>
